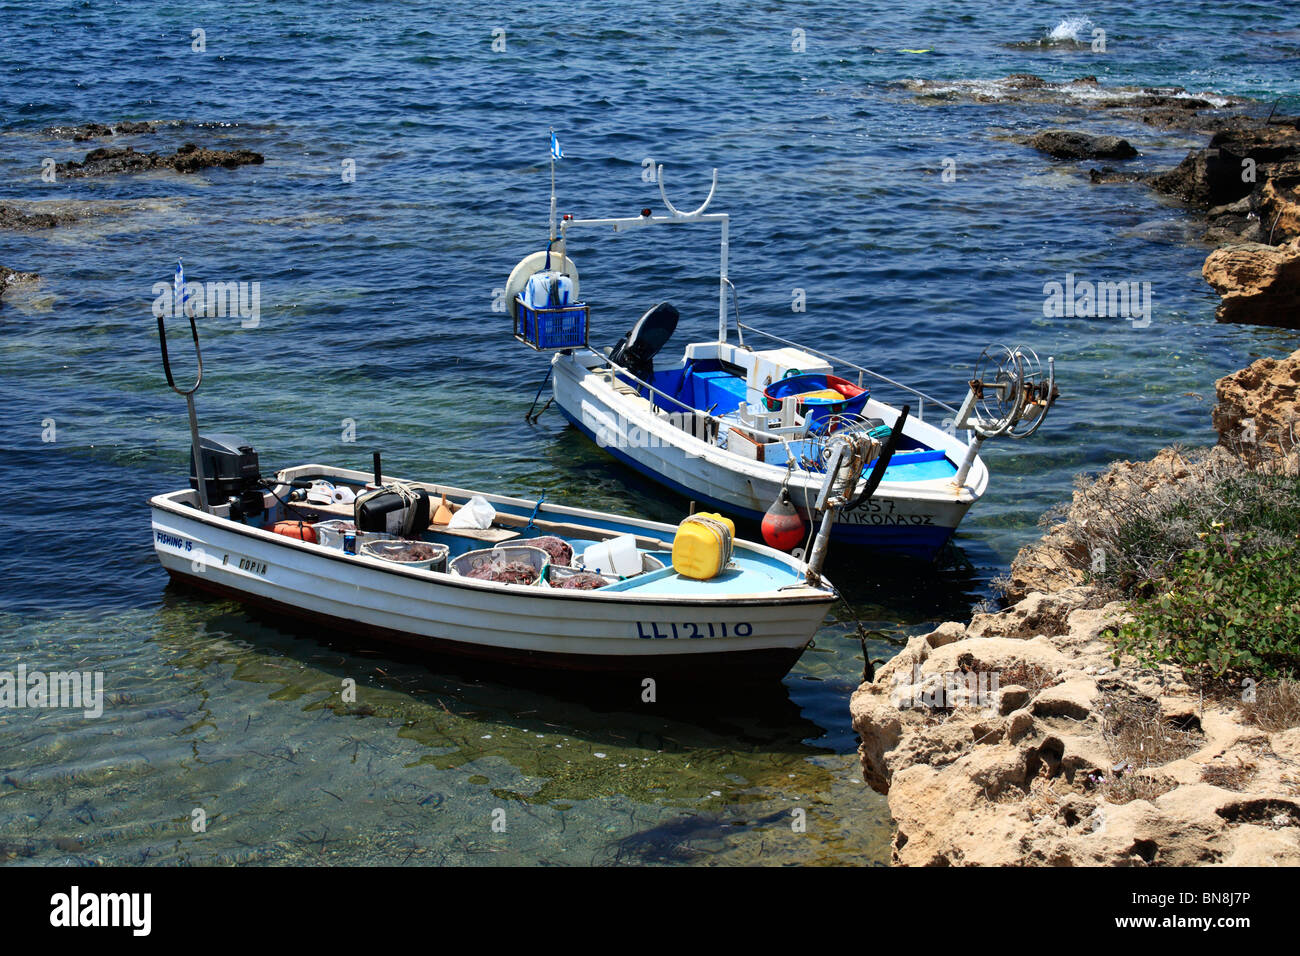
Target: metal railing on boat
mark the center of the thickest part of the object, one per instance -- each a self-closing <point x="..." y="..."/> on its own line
<point x="613" y="370"/>
<point x="921" y="397"/>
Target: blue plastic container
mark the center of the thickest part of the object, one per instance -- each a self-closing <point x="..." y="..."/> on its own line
<point x="562" y="328"/>
<point x="849" y="399"/>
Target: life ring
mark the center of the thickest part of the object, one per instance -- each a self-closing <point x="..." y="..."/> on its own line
<point x="532" y="264"/>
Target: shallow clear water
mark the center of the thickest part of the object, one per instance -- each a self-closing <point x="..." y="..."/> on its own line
<point x="376" y="307"/>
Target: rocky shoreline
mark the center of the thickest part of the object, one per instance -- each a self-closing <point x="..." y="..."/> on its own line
<point x="1023" y="737"/>
<point x="1245" y="181"/>
<point x="1072" y="757"/>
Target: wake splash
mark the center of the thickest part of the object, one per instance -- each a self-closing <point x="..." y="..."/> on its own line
<point x="1071" y="30"/>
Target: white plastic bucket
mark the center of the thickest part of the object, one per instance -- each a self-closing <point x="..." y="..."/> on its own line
<point x="329" y="534"/>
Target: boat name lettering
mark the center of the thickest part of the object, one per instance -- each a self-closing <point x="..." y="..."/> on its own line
<point x="173" y="540"/>
<point x="653" y="630"/>
<point x="856" y="517"/>
<point x="248" y="564"/>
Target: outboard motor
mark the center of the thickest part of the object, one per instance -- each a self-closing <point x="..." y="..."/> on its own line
<point x="231" y="473"/>
<point x="636" y="350"/>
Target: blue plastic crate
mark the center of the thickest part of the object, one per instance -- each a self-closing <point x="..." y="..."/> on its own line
<point x="562" y="328"/>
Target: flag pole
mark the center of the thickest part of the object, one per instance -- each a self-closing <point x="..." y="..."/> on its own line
<point x="551" y="150"/>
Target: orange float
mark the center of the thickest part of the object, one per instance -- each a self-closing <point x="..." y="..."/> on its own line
<point x="296" y="529"/>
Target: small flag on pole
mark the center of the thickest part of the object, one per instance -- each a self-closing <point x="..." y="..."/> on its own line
<point x="556" y="152"/>
<point x="178" y="290"/>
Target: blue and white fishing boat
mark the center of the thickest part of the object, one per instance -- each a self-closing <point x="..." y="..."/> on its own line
<point x="746" y="426"/>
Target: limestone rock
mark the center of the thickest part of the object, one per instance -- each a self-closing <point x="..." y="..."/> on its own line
<point x="1259" y="406"/>
<point x="1042" y="779"/>
<point x="1013" y="698"/>
<point x="1062" y="560"/>
<point x="1279" y="209"/>
<point x="1260" y="284"/>
<point x="1035" y="614"/>
<point x="1073" y="699"/>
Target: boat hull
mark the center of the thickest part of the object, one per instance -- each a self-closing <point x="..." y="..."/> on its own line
<point x="759" y="636"/>
<point x="765" y="665"/>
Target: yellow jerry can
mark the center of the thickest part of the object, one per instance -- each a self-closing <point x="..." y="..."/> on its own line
<point x="702" y="545"/>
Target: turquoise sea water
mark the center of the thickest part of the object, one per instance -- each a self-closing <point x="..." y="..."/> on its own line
<point x="376" y="307"/>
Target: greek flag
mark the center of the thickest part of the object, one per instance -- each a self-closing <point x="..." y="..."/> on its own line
<point x="556" y="152"/>
<point x="178" y="290"/>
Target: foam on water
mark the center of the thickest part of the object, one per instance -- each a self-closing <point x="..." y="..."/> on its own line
<point x="1070" y="30"/>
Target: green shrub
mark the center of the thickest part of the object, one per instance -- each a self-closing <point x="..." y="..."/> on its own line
<point x="1228" y="607"/>
<point x="1144" y="532"/>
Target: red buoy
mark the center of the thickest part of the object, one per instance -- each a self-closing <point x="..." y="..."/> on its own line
<point x="783" y="526"/>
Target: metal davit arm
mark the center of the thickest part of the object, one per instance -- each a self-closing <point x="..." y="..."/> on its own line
<point x="675" y="215"/>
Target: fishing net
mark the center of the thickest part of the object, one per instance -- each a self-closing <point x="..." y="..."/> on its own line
<point x="412" y="552"/>
<point x="559" y="550"/>
<point x="583" y="582"/>
<point x="505" y="572"/>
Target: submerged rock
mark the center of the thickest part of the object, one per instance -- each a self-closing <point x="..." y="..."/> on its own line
<point x="188" y="159"/>
<point x="1028" y="81"/>
<point x="1162" y="107"/>
<point x="1067" y="144"/>
<point x="10" y="277"/>
<point x="86" y="131"/>
<point x="1109" y="174"/>
<point x="11" y="217"/>
<point x="31" y="215"/>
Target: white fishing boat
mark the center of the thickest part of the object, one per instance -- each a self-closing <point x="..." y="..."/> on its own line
<point x="746" y="429"/>
<point x="491" y="577"/>
<point x="751" y="621"/>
